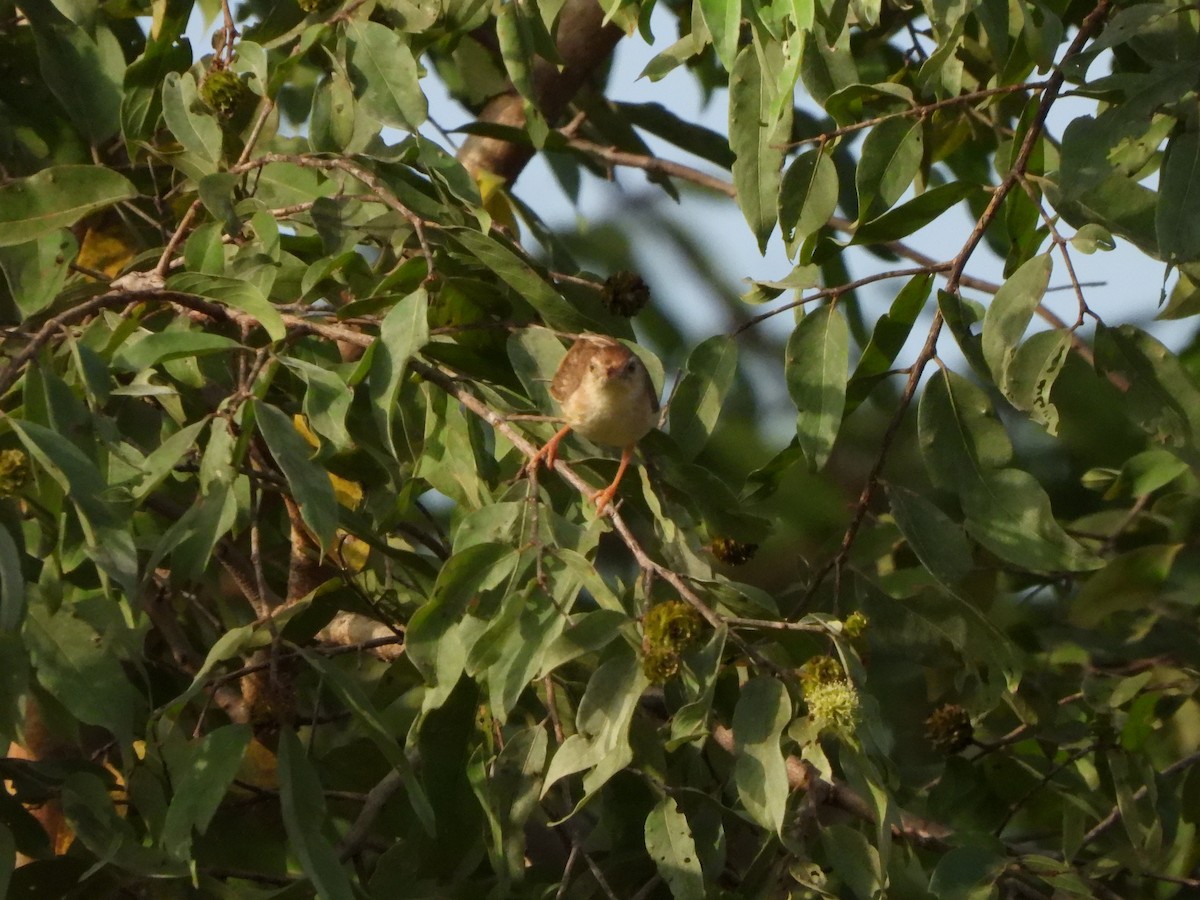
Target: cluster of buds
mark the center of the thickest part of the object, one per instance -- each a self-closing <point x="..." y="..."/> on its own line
<point x="949" y="728"/>
<point x="625" y="294"/>
<point x="224" y="93"/>
<point x="667" y="630"/>
<point x="14" y="472"/>
<point x="855" y="625"/>
<point x="732" y="552"/>
<point x="832" y="699"/>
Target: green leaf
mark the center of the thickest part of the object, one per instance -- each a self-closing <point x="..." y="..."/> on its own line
<point x="890" y="334"/>
<point x="960" y="436"/>
<point x="514" y="34"/>
<point x="385" y="76"/>
<point x="602" y="722"/>
<point x="309" y="483"/>
<point x="12" y="584"/>
<point x="683" y="133"/>
<point x="759" y="772"/>
<point x="1162" y="397"/>
<point x="402" y="333"/>
<point x="586" y="633"/>
<point x="141" y="105"/>
<point x="326" y="401"/>
<point x="697" y="402"/>
<point x="965" y="450"/>
<point x="36" y="270"/>
<point x="509" y="796"/>
<point x="1032" y="372"/>
<point x="461" y="578"/>
<point x="55" y="198"/>
<point x="351" y="692"/>
<point x="159" y="346"/>
<point x="966" y="873"/>
<point x="1010" y="514"/>
<point x="939" y="543"/>
<point x="81" y="671"/>
<point x="1146" y="472"/>
<point x="302" y="803"/>
<point x="192" y="537"/>
<point x="891" y="158"/>
<point x="106" y="530"/>
<point x="1175" y="218"/>
<point x="818" y="354"/>
<point x="95" y="823"/>
<point x="198" y="132"/>
<point x="509" y="652"/>
<point x="332" y="127"/>
<point x="670" y="844"/>
<point x="808" y="196"/>
<point x="555" y="310"/>
<point x="757" y="138"/>
<point x="915" y="214"/>
<point x="201" y="786"/>
<point x="1010" y="312"/>
<point x="84" y="71"/>
<point x="241" y="295"/>
<point x="1132" y="581"/>
<point x="854" y="860"/>
<point x="724" y="21"/>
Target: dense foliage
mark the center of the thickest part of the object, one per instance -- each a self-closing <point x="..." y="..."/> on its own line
<point x="284" y="613"/>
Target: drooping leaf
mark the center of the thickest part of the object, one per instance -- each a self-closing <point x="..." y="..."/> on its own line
<point x="1130" y="582"/>
<point x="160" y="346"/>
<point x="36" y="270"/>
<point x="757" y="137"/>
<point x="403" y="331"/>
<point x="309" y="483"/>
<point x="304" y="818"/>
<point x="914" y="215"/>
<point x="724" y="21"/>
<point x="815" y="366"/>
<point x="854" y="859"/>
<point x="213" y="764"/>
<point x="106" y="529"/>
<point x="760" y="774"/>
<point x="241" y="295"/>
<point x="697" y="401"/>
<point x="1162" y="397"/>
<point x="891" y="156"/>
<point x="84" y="71"/>
<point x="197" y="131"/>
<point x="891" y="331"/>
<point x="808" y="195"/>
<point x="670" y="844"/>
<point x="1010" y="312"/>
<point x="81" y="671"/>
<point x="1178" y="196"/>
<point x="384" y="72"/>
<point x="1032" y="372"/>
<point x="56" y="198"/>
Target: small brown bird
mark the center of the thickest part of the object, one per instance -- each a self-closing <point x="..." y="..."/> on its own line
<point x="607" y="396"/>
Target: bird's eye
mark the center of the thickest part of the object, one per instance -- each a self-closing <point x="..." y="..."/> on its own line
<point x="630" y="366"/>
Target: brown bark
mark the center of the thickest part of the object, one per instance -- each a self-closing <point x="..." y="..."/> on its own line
<point x="584" y="44"/>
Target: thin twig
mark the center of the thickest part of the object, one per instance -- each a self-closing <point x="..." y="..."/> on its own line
<point x="370" y="179"/>
<point x="953" y="284"/>
<point x="923" y="109"/>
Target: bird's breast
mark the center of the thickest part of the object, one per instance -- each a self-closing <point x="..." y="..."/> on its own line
<point x="616" y="415"/>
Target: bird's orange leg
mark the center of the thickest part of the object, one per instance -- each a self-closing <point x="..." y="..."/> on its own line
<point x="604" y="497"/>
<point x="550" y="451"/>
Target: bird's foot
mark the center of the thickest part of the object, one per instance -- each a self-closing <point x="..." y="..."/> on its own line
<point x="603" y="498"/>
